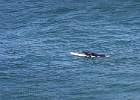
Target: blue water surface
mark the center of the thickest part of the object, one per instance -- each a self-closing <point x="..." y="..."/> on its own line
<point x="36" y="38"/>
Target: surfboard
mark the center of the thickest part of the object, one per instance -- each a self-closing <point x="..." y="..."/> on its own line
<point x="83" y="55"/>
<point x="78" y="54"/>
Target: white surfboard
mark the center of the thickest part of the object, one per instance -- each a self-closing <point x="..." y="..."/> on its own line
<point x="78" y="54"/>
<point x="82" y="55"/>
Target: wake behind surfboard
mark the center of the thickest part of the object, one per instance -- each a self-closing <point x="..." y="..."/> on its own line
<point x="84" y="55"/>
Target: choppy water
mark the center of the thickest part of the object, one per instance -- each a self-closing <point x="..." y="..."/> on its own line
<point x="37" y="36"/>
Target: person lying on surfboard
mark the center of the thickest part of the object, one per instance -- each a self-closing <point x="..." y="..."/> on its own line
<point x="93" y="54"/>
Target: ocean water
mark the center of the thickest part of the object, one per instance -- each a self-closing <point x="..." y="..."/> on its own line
<point x="37" y="36"/>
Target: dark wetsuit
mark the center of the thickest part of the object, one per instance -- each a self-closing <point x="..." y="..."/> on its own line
<point x="93" y="54"/>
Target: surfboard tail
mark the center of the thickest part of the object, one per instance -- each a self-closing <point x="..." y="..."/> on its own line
<point x="107" y="55"/>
